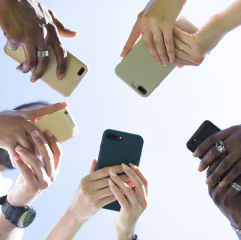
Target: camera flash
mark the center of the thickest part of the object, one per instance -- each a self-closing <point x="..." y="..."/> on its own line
<point x="120" y="137"/>
<point x="194" y="140"/>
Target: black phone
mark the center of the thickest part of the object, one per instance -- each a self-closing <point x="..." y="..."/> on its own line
<point x="117" y="148"/>
<point x="204" y="131"/>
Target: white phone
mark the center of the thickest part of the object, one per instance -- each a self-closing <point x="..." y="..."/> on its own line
<point x="60" y="124"/>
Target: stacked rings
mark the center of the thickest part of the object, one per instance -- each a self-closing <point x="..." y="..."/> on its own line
<point x="236" y="186"/>
<point x="43" y="53"/>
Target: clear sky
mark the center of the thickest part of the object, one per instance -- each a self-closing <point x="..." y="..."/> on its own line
<point x="179" y="206"/>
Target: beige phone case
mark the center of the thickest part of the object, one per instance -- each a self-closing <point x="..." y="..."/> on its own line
<point x="141" y="71"/>
<point x="60" y="124"/>
<point x="71" y="79"/>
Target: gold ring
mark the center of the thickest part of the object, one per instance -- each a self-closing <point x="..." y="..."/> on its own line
<point x="183" y="46"/>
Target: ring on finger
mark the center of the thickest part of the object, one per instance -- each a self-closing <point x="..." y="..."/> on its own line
<point x="216" y="182"/>
<point x="236" y="186"/>
<point x="43" y="53"/>
<point x="183" y="46"/>
<point x="220" y="146"/>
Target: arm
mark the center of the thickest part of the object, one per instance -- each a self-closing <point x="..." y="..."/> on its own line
<point x="31" y="183"/>
<point x="93" y="193"/>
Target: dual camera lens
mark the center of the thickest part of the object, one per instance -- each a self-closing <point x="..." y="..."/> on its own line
<point x="115" y="137"/>
<point x="81" y="71"/>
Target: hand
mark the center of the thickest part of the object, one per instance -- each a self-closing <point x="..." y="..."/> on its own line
<point x="16" y="127"/>
<point x="228" y="200"/>
<point x="36" y="174"/>
<point x="34" y="26"/>
<point x="229" y="164"/>
<point x="132" y="203"/>
<point x="199" y="44"/>
<point x="156" y="23"/>
<point x="94" y="192"/>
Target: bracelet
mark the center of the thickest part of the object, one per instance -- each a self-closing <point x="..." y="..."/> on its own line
<point x="236" y="229"/>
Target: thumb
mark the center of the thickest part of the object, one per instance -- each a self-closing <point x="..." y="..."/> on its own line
<point x="183" y="36"/>
<point x="63" y="32"/>
<point x="93" y="166"/>
<point x="37" y="113"/>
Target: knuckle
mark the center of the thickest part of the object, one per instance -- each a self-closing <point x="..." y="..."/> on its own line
<point x="162" y="55"/>
<point x="29" y="65"/>
<point x="225" y="163"/>
<point x="213" y="152"/>
<point x="168" y="41"/>
<point x="139" y="17"/>
<point x="90" y="199"/>
<point x="211" y="139"/>
<point x="236" y="170"/>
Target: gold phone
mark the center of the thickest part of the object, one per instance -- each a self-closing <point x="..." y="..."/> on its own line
<point x="139" y="69"/>
<point x="75" y="72"/>
<point x="60" y="124"/>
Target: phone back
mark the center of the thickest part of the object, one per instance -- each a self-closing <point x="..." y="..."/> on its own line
<point x="115" y="151"/>
<point x="60" y="124"/>
<point x="71" y="79"/>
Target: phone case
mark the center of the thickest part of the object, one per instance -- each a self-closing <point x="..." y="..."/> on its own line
<point x="71" y="80"/>
<point x="204" y="131"/>
<point x="60" y="124"/>
<point x="115" y="152"/>
<point x="139" y="69"/>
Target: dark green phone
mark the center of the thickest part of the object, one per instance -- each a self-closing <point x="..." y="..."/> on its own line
<point x="117" y="148"/>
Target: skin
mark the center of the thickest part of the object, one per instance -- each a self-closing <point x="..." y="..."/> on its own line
<point x="200" y="44"/>
<point x="229" y="167"/>
<point x="36" y="175"/>
<point x="132" y="203"/>
<point x="227" y="199"/>
<point x="35" y="27"/>
<point x="156" y="23"/>
<point x="93" y="193"/>
<point x="16" y="127"/>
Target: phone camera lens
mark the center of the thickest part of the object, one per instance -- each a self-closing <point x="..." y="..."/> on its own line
<point x="65" y="112"/>
<point x="142" y="90"/>
<point x="111" y="136"/>
<point x="81" y="71"/>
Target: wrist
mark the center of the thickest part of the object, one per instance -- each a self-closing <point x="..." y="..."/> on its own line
<point x="124" y="235"/>
<point x="75" y="217"/>
<point x="18" y="202"/>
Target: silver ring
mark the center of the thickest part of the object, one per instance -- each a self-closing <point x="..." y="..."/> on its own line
<point x="220" y="146"/>
<point x="43" y="53"/>
<point x="183" y="46"/>
<point x="216" y="182"/>
<point x="236" y="186"/>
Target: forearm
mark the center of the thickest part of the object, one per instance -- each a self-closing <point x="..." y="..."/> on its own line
<point x="230" y="18"/>
<point x="66" y="228"/>
<point x="8" y="231"/>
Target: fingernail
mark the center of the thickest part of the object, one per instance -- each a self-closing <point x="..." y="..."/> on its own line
<point x="33" y="80"/>
<point x="110" y="182"/>
<point x="160" y="64"/>
<point x="222" y="184"/>
<point x="125" y="167"/>
<point x="200" y="169"/>
<point x="16" y="158"/>
<point x="49" y="133"/>
<point x="180" y="66"/>
<point x="35" y="133"/>
<point x="171" y="60"/>
<point x="18" y="69"/>
<point x="113" y="174"/>
<point x="195" y="154"/>
<point x="209" y="181"/>
<point x="61" y="76"/>
<point x="18" y="148"/>
<point x="133" y="166"/>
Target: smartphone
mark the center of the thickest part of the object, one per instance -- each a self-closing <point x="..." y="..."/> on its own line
<point x="60" y="124"/>
<point x="75" y="72"/>
<point x="204" y="131"/>
<point x="139" y="69"/>
<point x="116" y="148"/>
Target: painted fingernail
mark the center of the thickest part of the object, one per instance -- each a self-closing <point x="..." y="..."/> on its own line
<point x="113" y="174"/>
<point x="179" y="66"/>
<point x="33" y="80"/>
<point x="16" y="158"/>
<point x="133" y="166"/>
<point x="171" y="60"/>
<point x="19" y="148"/>
<point x="35" y="133"/>
<point x="61" y="76"/>
<point x="49" y="134"/>
<point x="222" y="184"/>
<point x="110" y="182"/>
<point x="209" y="181"/>
<point x="125" y="167"/>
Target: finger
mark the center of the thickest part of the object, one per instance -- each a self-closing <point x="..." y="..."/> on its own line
<point x="185" y="56"/>
<point x="12" y="154"/>
<point x="148" y="38"/>
<point x="234" y="173"/>
<point x="125" y="188"/>
<point x="24" y="141"/>
<point x="180" y="63"/>
<point x="103" y="193"/>
<point x="178" y="44"/>
<point x="38" y="113"/>
<point x="93" y="166"/>
<point x="209" y="157"/>
<point x="231" y="190"/>
<point x="61" y="55"/>
<point x="159" y="45"/>
<point x="169" y="42"/>
<point x="141" y="176"/>
<point x="135" y="34"/>
<point x="103" y="173"/>
<point x="25" y="171"/>
<point x="55" y="148"/>
<point x="42" y="63"/>
<point x="30" y="58"/>
<point x="182" y="36"/>
<point x="45" y="152"/>
<point x="213" y="166"/>
<point x="118" y="195"/>
<point x="106" y="201"/>
<point x="12" y="46"/>
<point x="210" y="141"/>
<point x="63" y="32"/>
